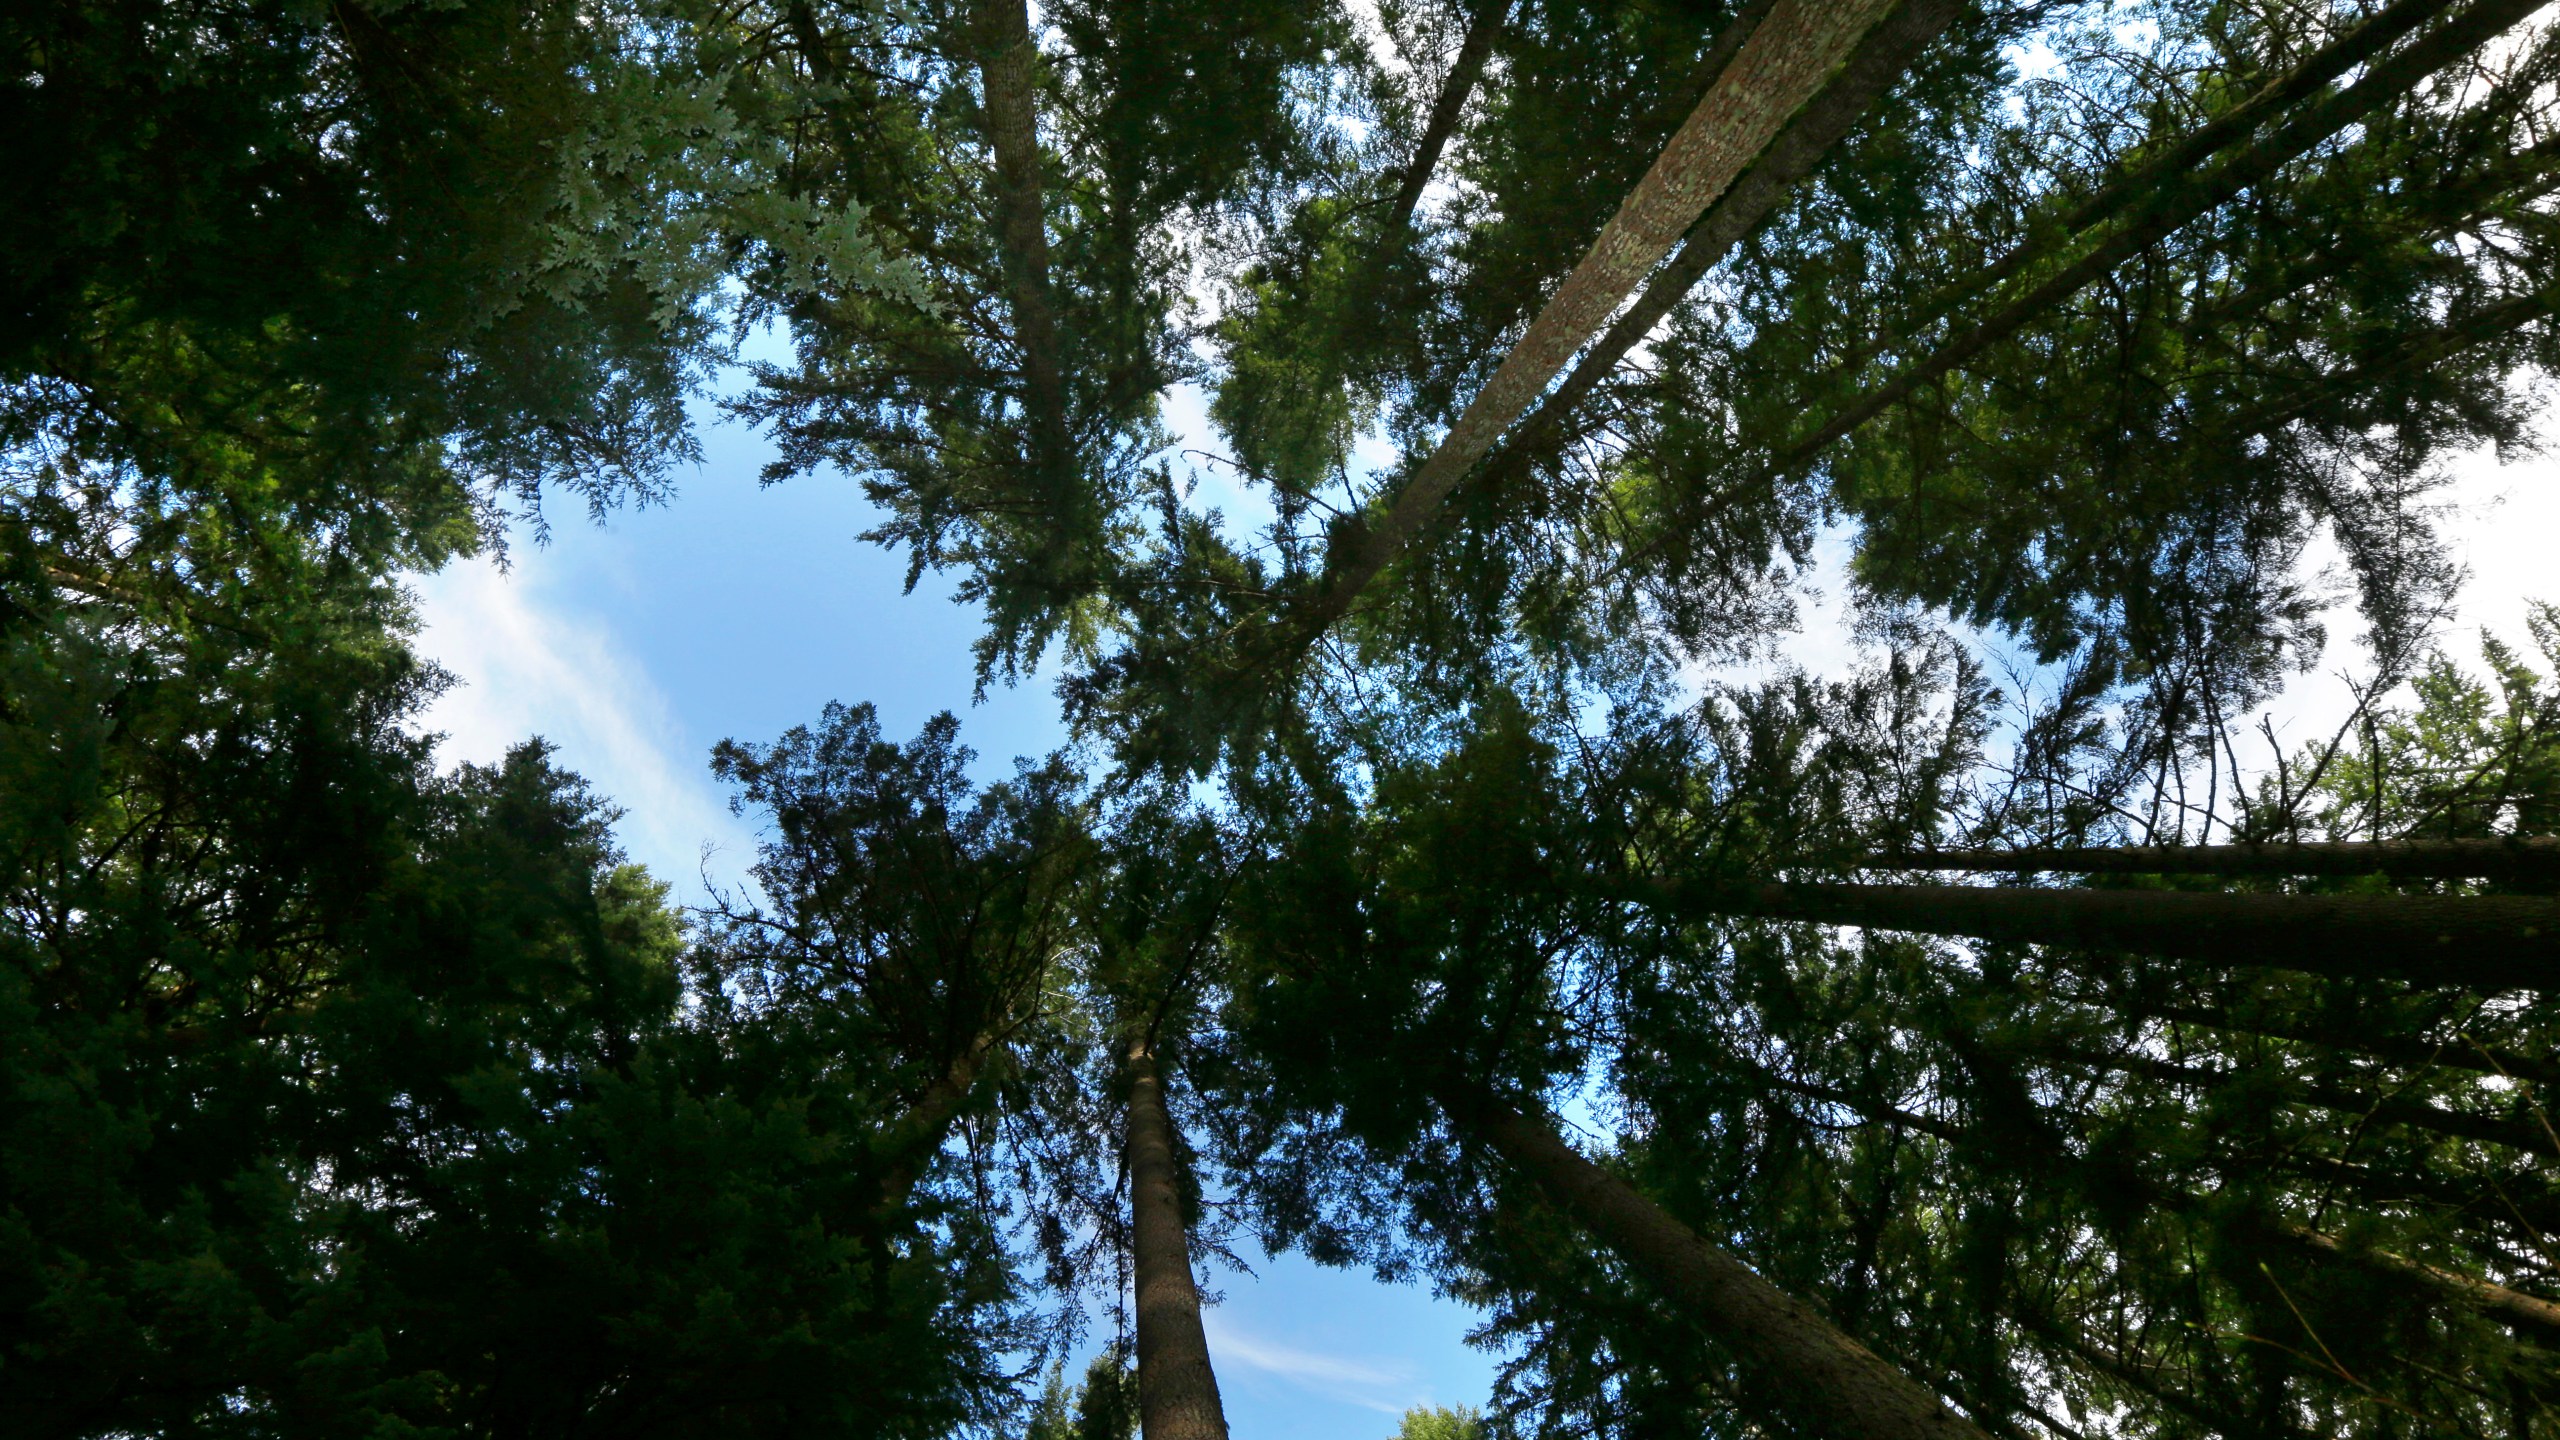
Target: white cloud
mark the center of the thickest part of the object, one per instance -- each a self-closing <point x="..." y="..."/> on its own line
<point x="1389" y="1389"/>
<point x="527" y="667"/>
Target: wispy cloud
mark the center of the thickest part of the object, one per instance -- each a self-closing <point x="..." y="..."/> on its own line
<point x="1389" y="1389"/>
<point x="529" y="666"/>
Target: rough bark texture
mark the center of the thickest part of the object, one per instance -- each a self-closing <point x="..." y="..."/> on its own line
<point x="1008" y="82"/>
<point x="1801" y="1373"/>
<point x="2158" y="210"/>
<point x="1464" y="71"/>
<point x="1788" y="60"/>
<point x="1177" y="1389"/>
<point x="2487" y="942"/>
<point x="2514" y="858"/>
<point x="1878" y="61"/>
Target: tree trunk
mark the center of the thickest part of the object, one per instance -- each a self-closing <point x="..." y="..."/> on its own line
<point x="1482" y="27"/>
<point x="1800" y="1371"/>
<point x="1871" y="70"/>
<point x="2512" y="1131"/>
<point x="1008" y="81"/>
<point x="2508" y="860"/>
<point x="1788" y="60"/>
<point x="1177" y="1389"/>
<point x="2177" y="199"/>
<point x="2455" y="1054"/>
<point x="2512" y="1306"/>
<point x="2484" y="942"/>
<point x="908" y="1143"/>
<point x="2163" y="165"/>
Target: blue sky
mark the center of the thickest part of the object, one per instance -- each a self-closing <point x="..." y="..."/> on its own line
<point x="739" y="610"/>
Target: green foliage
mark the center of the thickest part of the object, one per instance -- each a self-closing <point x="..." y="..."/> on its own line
<point x="1103" y="1407"/>
<point x="392" y="259"/>
<point x="2473" y="756"/>
<point x="1437" y="1422"/>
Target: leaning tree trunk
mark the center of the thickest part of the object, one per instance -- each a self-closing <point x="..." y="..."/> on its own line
<point x="1800" y="1372"/>
<point x="1482" y="27"/>
<point x="2458" y="1053"/>
<point x="2485" y="942"/>
<point x="2515" y="1132"/>
<point x="2514" y="1307"/>
<point x="1177" y="1389"/>
<point x="2514" y="859"/>
<point x="1790" y="57"/>
<point x="1870" y="71"/>
<point x="2176" y="198"/>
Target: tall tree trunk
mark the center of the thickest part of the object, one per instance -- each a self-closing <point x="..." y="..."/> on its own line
<point x="2456" y="1054"/>
<point x="1177" y="1389"/>
<point x="2512" y="1131"/>
<point x="2158" y="167"/>
<point x="2157" y="210"/>
<point x="1008" y="82"/>
<point x="2485" y="942"/>
<point x="1800" y="1371"/>
<point x="2498" y="1301"/>
<point x="1787" y="61"/>
<point x="2514" y="1307"/>
<point x="1485" y="24"/>
<point x="2511" y="859"/>
<point x="1887" y="51"/>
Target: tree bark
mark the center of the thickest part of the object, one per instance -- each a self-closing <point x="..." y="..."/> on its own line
<point x="2164" y="165"/>
<point x="2512" y="1131"/>
<point x="2485" y="942"/>
<point x="1007" y="78"/>
<point x="1887" y="51"/>
<point x="1464" y="71"/>
<point x="908" y="1143"/>
<point x="2509" y="859"/>
<point x="1787" y="61"/>
<point x="2512" y="1306"/>
<point x="1799" y="1370"/>
<point x="1177" y="1389"/>
<point x="2457" y="1054"/>
<point x="2159" y="210"/>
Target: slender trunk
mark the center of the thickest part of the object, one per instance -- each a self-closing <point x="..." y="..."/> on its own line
<point x="2164" y="165"/>
<point x="2512" y="1131"/>
<point x="2157" y="211"/>
<point x="1482" y="27"/>
<point x="2504" y="860"/>
<point x="1880" y="60"/>
<point x="1177" y="1389"/>
<point x="2516" y="1308"/>
<point x="2523" y="1207"/>
<point x="1787" y="61"/>
<point x="2413" y="350"/>
<point x="1007" y="77"/>
<point x="1799" y="1370"/>
<point x="2458" y="1053"/>
<point x="2512" y="1306"/>
<point x="2484" y="942"/>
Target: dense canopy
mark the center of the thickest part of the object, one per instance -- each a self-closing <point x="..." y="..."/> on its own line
<point x="1450" y="875"/>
